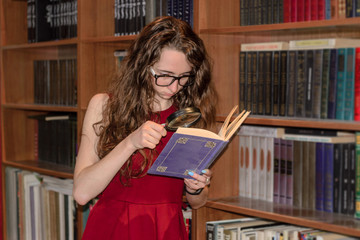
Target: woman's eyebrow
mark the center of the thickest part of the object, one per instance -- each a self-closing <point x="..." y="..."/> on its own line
<point x="172" y="73"/>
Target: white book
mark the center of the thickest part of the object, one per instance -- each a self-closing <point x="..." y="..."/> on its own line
<point x="323" y="43"/>
<point x="248" y="166"/>
<point x="255" y="168"/>
<point x="276" y="132"/>
<point x="269" y="169"/>
<point x="242" y="169"/>
<point x="343" y="137"/>
<point x="264" y="46"/>
<point x="262" y="167"/>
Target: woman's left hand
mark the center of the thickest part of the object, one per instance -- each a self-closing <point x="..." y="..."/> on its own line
<point x="198" y="181"/>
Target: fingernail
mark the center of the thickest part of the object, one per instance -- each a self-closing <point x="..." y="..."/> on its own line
<point x="203" y="171"/>
<point x="191" y="173"/>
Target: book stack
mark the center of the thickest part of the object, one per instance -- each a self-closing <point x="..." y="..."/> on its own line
<point x="51" y="20"/>
<point x="283" y="11"/>
<point x="315" y="78"/>
<point x="38" y="206"/>
<point x="132" y="15"/>
<point x="55" y="138"/>
<point x="306" y="168"/>
<point x="261" y="229"/>
<point x="55" y="82"/>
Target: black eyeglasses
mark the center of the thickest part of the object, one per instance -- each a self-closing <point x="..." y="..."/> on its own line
<point x="164" y="80"/>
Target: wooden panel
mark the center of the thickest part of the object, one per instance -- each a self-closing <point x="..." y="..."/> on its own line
<point x="13" y="22"/>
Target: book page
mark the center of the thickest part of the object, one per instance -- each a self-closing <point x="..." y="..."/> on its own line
<point x="198" y="132"/>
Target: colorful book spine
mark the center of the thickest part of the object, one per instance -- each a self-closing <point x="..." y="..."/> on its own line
<point x="357" y="86"/>
<point x="349" y="85"/>
<point x="329" y="178"/>
<point x="325" y="84"/>
<point x="357" y="180"/>
<point x="298" y="180"/>
<point x="340" y="85"/>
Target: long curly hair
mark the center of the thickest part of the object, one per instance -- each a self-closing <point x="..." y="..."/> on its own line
<point x="132" y="94"/>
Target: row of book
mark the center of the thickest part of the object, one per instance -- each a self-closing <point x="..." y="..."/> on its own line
<point x="38" y="206"/>
<point x="132" y="15"/>
<point x="55" y="138"/>
<point x="261" y="12"/>
<point x="310" y="171"/>
<point x="55" y="82"/>
<point x="315" y="78"/>
<point x="261" y="229"/>
<point x="51" y="20"/>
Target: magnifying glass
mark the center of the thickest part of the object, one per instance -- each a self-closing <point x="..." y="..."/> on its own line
<point x="183" y="118"/>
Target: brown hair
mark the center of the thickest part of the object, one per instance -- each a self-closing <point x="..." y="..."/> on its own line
<point x="131" y="92"/>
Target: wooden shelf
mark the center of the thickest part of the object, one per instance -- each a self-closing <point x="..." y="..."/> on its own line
<point x="324" y="25"/>
<point x="38" y="107"/>
<point x="300" y="122"/>
<point x="42" y="167"/>
<point x="283" y="213"/>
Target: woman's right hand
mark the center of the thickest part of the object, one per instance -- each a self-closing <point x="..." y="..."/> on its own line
<point x="148" y="135"/>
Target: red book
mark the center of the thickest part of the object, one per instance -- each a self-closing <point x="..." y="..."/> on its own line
<point x="314" y="12"/>
<point x="308" y="5"/>
<point x="293" y="12"/>
<point x="287" y="11"/>
<point x="300" y="10"/>
<point x="357" y="86"/>
<point x="321" y="9"/>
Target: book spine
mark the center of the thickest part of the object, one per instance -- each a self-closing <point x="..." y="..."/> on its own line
<point x="320" y="176"/>
<point x="349" y="8"/>
<point x="349" y="85"/>
<point x="242" y="79"/>
<point x="283" y="169"/>
<point x="334" y="9"/>
<point x="338" y="171"/>
<point x="357" y="8"/>
<point x="329" y="178"/>
<point x="305" y="175"/>
<point x="289" y="172"/>
<point x="276" y="83"/>
<point x="254" y="84"/>
<point x="248" y="166"/>
<point x="262" y="168"/>
<point x="357" y="86"/>
<point x="340" y="86"/>
<point x="317" y="81"/>
<point x="270" y="169"/>
<point x="321" y="10"/>
<point x="300" y="10"/>
<point x="344" y="204"/>
<point x="309" y="82"/>
<point x="261" y="131"/>
<point x="325" y="83"/>
<point x="315" y="9"/>
<point x="287" y="11"/>
<point x="312" y="176"/>
<point x="251" y="64"/>
<point x="327" y="9"/>
<point x="308" y="9"/>
<point x="357" y="179"/>
<point x="332" y="84"/>
<point x="261" y="84"/>
<point x="283" y="82"/>
<point x="255" y="175"/>
<point x="268" y="82"/>
<point x="297" y="166"/>
<point x="300" y="84"/>
<point x="293" y="12"/>
<point x="242" y="169"/>
<point x="291" y="83"/>
<point x="342" y="8"/>
<point x="277" y="159"/>
<point x="352" y="179"/>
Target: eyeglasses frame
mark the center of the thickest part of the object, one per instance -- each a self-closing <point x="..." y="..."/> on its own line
<point x="174" y="78"/>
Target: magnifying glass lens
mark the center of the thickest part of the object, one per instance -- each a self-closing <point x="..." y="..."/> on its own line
<point x="183" y="118"/>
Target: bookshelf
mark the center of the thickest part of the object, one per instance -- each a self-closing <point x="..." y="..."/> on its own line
<point x="219" y="27"/>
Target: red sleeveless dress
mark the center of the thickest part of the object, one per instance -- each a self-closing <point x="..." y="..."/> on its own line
<point x="149" y="208"/>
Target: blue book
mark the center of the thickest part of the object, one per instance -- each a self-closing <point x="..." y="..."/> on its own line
<point x="320" y="176"/>
<point x="194" y="149"/>
<point x="349" y="85"/>
<point x="329" y="177"/>
<point x="340" y="85"/>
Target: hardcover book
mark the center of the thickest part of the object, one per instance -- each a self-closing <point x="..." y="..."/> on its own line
<point x="194" y="149"/>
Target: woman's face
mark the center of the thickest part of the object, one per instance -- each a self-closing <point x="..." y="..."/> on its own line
<point x="174" y="63"/>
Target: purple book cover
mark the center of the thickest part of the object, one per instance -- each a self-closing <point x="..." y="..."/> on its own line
<point x="320" y="176"/>
<point x="184" y="153"/>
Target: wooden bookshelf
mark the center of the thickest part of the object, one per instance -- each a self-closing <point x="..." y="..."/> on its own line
<point x="219" y="27"/>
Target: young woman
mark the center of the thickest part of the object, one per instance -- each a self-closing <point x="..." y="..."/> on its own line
<point x="167" y="68"/>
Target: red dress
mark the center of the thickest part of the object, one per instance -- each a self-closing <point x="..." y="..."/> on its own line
<point x="148" y="209"/>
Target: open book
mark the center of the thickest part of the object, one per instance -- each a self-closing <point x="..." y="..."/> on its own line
<point x="194" y="149"/>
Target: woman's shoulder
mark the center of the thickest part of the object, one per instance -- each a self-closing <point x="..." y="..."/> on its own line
<point x="98" y="100"/>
